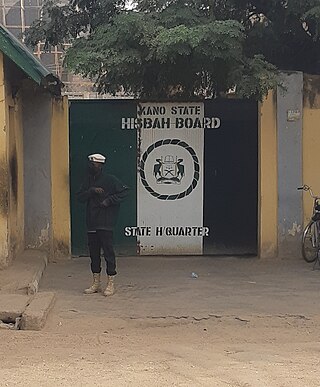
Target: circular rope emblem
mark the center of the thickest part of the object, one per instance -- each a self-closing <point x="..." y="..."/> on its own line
<point x="196" y="173"/>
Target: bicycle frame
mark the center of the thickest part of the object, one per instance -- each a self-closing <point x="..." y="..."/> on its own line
<point x="315" y="236"/>
<point x="312" y="229"/>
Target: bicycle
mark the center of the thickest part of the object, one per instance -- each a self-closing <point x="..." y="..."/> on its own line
<point x="311" y="233"/>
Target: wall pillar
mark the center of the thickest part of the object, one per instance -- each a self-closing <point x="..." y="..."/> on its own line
<point x="4" y="180"/>
<point x="61" y="229"/>
<point x="15" y="173"/>
<point x="311" y="140"/>
<point x="289" y="124"/>
<point x="268" y="184"/>
<point x="37" y="112"/>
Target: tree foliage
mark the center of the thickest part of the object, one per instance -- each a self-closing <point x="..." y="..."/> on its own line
<point x="183" y="49"/>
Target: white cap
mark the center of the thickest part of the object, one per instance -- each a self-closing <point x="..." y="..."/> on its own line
<point x="97" y="158"/>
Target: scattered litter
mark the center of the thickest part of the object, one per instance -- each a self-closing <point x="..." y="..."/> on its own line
<point x="11" y="325"/>
<point x="241" y="319"/>
<point x="251" y="282"/>
<point x="6" y="326"/>
<point x="194" y="275"/>
<point x="60" y="323"/>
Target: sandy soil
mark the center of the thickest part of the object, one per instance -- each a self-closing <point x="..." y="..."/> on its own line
<point x="245" y="324"/>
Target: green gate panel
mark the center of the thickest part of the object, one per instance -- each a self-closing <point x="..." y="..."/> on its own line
<point x="95" y="127"/>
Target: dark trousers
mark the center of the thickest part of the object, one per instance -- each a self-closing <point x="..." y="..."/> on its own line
<point x="102" y="239"/>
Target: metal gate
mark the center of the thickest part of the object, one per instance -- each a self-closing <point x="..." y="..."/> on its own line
<point x="95" y="128"/>
<point x="231" y="178"/>
<point x="192" y="168"/>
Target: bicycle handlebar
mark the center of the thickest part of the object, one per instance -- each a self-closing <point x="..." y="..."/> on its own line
<point x="307" y="188"/>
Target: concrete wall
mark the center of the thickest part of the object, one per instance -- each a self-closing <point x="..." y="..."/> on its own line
<point x="268" y="183"/>
<point x="34" y="168"/>
<point x="61" y="232"/>
<point x="11" y="175"/>
<point x="37" y="113"/>
<point x="289" y="125"/>
<point x="289" y="156"/>
<point x="311" y="140"/>
<point x="16" y="175"/>
<point x="4" y="180"/>
<point x="34" y="142"/>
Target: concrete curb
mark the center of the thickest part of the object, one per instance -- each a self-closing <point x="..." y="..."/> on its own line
<point x="12" y="306"/>
<point x="36" y="313"/>
<point x="33" y="286"/>
<point x="25" y="273"/>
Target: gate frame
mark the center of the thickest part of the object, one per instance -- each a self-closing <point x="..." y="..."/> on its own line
<point x="273" y="234"/>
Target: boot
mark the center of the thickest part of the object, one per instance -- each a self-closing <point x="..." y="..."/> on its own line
<point x="96" y="286"/>
<point x="110" y="287"/>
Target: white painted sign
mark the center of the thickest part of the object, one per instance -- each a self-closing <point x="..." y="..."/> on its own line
<point x="293" y="115"/>
<point x="170" y="177"/>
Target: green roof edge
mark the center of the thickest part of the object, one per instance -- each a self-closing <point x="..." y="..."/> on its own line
<point x="27" y="62"/>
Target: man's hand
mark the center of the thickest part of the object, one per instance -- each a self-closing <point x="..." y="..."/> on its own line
<point x="97" y="190"/>
<point x="105" y="203"/>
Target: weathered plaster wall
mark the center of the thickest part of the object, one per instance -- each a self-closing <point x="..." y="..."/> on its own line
<point x="37" y="113"/>
<point x="61" y="239"/>
<point x="289" y="123"/>
<point x="311" y="140"/>
<point x="268" y="184"/>
<point x="34" y="168"/>
<point x="16" y="181"/>
<point x="4" y="181"/>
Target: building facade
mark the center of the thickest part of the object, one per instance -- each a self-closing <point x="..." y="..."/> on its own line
<point x="208" y="177"/>
<point x="34" y="155"/>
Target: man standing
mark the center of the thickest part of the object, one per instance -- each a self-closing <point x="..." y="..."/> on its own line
<point x="103" y="194"/>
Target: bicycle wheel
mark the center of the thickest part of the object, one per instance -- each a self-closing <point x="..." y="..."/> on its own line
<point x="310" y="242"/>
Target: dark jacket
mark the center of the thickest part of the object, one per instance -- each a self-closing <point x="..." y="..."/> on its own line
<point x="102" y="209"/>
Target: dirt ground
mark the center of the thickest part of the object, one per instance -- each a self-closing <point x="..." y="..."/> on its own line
<point x="242" y="322"/>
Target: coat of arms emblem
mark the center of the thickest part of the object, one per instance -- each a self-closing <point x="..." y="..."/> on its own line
<point x="168" y="170"/>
